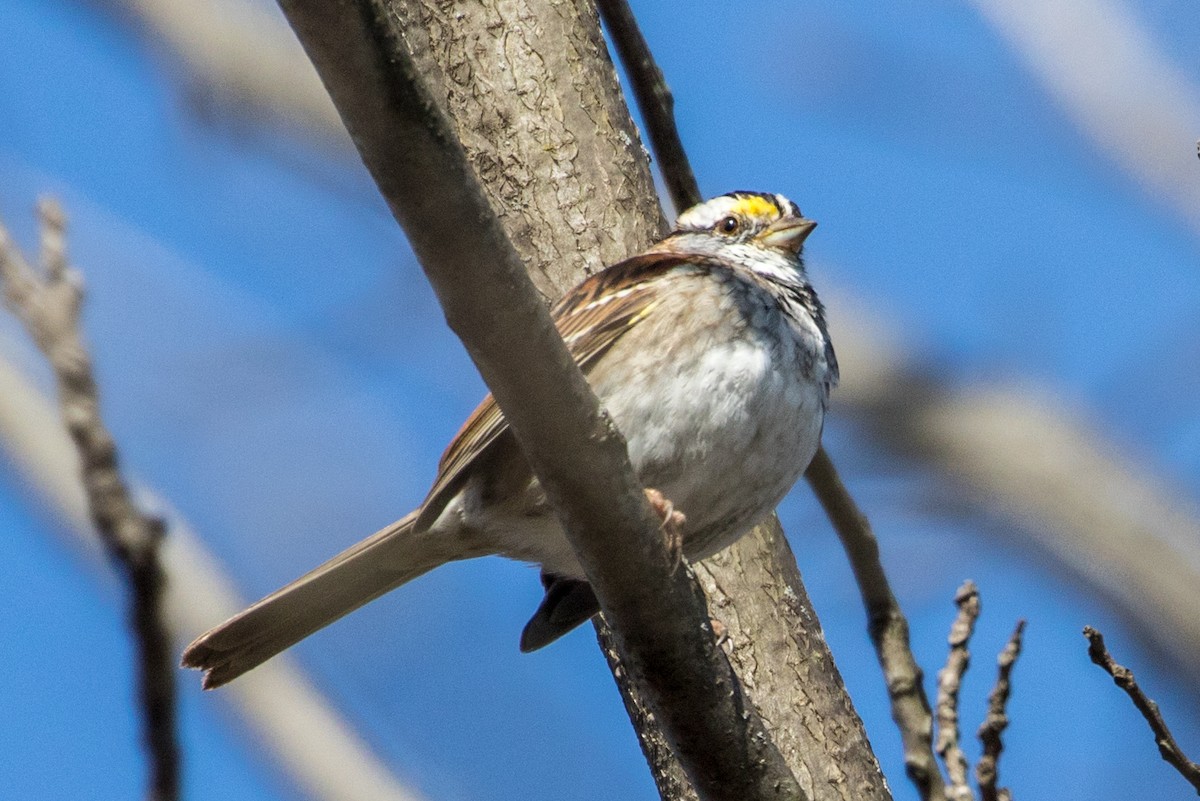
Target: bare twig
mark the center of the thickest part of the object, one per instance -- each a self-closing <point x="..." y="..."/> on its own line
<point x="887" y="626"/>
<point x="406" y="141"/>
<point x="1123" y="678"/>
<point x="949" y="683"/>
<point x="48" y="304"/>
<point x="655" y="101"/>
<point x="987" y="771"/>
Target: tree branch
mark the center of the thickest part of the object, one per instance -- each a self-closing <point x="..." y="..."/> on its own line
<point x="887" y="626"/>
<point x="1123" y="678"/>
<point x="654" y="100"/>
<point x="949" y="683"/>
<point x="414" y="155"/>
<point x="48" y="304"/>
<point x="987" y="771"/>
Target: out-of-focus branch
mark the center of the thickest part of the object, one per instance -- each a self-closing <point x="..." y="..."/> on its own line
<point x="48" y="303"/>
<point x="413" y="152"/>
<point x="949" y="683"/>
<point x="987" y="772"/>
<point x="1097" y="59"/>
<point x="241" y="53"/>
<point x="292" y="722"/>
<point x="1123" y="678"/>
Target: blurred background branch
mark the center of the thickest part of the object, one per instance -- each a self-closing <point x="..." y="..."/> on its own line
<point x="292" y="720"/>
<point x="241" y="55"/>
<point x="47" y="299"/>
<point x="1096" y="59"/>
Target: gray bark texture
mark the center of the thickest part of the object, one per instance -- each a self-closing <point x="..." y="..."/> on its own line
<point x="535" y="100"/>
<point x="774" y="640"/>
<point x="779" y="653"/>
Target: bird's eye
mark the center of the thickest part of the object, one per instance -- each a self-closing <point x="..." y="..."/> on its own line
<point x="729" y="225"/>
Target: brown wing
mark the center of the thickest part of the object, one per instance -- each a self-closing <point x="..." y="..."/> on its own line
<point x="590" y="318"/>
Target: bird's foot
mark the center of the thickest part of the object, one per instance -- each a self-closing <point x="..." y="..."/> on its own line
<point x="672" y="523"/>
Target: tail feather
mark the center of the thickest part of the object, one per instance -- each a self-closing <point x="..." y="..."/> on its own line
<point x="382" y="562"/>
<point x="568" y="603"/>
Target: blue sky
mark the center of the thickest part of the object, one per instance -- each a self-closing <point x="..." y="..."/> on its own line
<point x="273" y="363"/>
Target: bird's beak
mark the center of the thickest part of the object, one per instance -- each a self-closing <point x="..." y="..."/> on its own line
<point x="787" y="234"/>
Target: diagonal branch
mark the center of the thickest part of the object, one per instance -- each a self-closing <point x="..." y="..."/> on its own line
<point x="987" y="771"/>
<point x="1123" y="678"/>
<point x="413" y="153"/>
<point x="654" y="100"/>
<point x="887" y="626"/>
<point x="48" y="304"/>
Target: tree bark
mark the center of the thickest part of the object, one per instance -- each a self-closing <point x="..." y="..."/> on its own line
<point x="535" y="99"/>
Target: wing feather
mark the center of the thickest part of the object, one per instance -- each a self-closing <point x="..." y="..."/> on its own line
<point x="590" y="319"/>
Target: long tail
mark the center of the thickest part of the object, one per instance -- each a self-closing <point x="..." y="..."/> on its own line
<point x="362" y="573"/>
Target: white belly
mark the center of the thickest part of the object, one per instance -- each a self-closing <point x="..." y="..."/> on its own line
<point x="724" y="438"/>
<point x="723" y="424"/>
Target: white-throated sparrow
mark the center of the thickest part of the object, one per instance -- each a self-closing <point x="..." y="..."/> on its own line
<point x="711" y="354"/>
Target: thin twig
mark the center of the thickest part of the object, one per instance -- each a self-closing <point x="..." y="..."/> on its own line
<point x="949" y="683"/>
<point x="654" y="100"/>
<point x="887" y="626"/>
<point x="1123" y="678"/>
<point x="48" y="304"/>
<point x="987" y="772"/>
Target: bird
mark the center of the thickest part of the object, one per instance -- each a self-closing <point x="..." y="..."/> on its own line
<point x="710" y="352"/>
